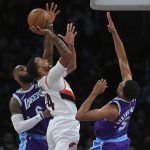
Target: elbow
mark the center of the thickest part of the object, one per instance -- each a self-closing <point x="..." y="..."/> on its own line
<point x="73" y="68"/>
<point x="19" y="130"/>
<point x="79" y="117"/>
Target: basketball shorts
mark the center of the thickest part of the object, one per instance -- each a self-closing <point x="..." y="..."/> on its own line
<point x="63" y="134"/>
<point x="30" y="141"/>
<point x="120" y="143"/>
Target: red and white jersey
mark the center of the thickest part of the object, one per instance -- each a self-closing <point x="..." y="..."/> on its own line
<point x="59" y="96"/>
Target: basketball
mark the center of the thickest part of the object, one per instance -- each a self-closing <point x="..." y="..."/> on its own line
<point x="38" y="17"/>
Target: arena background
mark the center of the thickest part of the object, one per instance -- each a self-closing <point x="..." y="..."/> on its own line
<point x="96" y="58"/>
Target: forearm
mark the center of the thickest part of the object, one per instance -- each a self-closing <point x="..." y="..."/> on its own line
<point x="48" y="47"/>
<point x="123" y="61"/>
<point x="72" y="64"/>
<point x="22" y="125"/>
<point x="61" y="46"/>
<point x="85" y="107"/>
<point x="119" y="47"/>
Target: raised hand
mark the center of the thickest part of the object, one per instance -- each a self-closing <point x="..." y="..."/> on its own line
<point x="99" y="87"/>
<point x="69" y="38"/>
<point x="52" y="10"/>
<point x="40" y="31"/>
<point x="111" y="26"/>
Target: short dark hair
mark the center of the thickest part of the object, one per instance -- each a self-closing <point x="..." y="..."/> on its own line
<point x="32" y="68"/>
<point x="131" y="89"/>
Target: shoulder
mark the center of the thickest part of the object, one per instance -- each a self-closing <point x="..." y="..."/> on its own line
<point x="14" y="106"/>
<point x="13" y="100"/>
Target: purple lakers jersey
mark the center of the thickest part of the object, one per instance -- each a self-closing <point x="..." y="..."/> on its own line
<point x="109" y="130"/>
<point x="32" y="102"/>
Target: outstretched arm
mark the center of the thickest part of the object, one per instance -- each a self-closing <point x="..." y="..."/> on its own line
<point x="17" y="118"/>
<point x="62" y="48"/>
<point x="69" y="38"/>
<point x="48" y="42"/>
<point x="109" y="112"/>
<point x="120" y="50"/>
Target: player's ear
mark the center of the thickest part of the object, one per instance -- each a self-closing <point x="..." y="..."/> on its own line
<point x="16" y="78"/>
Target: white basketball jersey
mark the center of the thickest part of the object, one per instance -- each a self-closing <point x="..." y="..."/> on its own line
<point x="59" y="102"/>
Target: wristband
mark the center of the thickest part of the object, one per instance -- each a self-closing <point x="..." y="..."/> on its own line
<point x="41" y="114"/>
<point x="39" y="117"/>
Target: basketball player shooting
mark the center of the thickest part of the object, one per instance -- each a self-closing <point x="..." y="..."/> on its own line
<point x="29" y="115"/>
<point x="112" y="120"/>
<point x="63" y="129"/>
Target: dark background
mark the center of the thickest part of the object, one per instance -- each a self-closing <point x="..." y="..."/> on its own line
<point x="96" y="58"/>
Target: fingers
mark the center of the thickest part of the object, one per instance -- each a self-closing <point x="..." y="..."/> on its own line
<point x="109" y="17"/>
<point x="55" y="7"/>
<point x="71" y="28"/>
<point x="47" y="7"/>
<point x="57" y="12"/>
<point x="75" y="33"/>
<point x="52" y="6"/>
<point x="68" y="25"/>
<point x="102" y="82"/>
<point x="36" y="29"/>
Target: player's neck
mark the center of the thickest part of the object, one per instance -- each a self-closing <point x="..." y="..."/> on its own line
<point x="26" y="86"/>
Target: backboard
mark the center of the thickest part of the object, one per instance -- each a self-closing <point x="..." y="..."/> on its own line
<point x="120" y="5"/>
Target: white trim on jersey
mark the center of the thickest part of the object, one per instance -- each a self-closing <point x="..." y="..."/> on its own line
<point x="25" y="91"/>
<point x="119" y="107"/>
<point x="18" y="99"/>
<point x="124" y="100"/>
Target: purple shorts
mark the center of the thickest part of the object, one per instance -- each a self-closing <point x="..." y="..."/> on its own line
<point x="111" y="144"/>
<point x="32" y="142"/>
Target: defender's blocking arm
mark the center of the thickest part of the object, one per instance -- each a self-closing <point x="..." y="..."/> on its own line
<point x="69" y="38"/>
<point x="120" y="50"/>
<point x="108" y="112"/>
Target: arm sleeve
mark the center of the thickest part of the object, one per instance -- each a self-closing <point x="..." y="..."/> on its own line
<point x="22" y="125"/>
<point x="55" y="77"/>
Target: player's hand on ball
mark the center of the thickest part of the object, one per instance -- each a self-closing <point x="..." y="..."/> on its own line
<point x="111" y="26"/>
<point x="40" y="31"/>
<point x="53" y="12"/>
<point x="69" y="38"/>
<point x="99" y="87"/>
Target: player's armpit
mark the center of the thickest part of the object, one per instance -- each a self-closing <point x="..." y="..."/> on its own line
<point x="14" y="106"/>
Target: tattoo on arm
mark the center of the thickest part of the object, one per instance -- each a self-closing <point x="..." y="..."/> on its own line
<point x="48" y="47"/>
<point x="61" y="46"/>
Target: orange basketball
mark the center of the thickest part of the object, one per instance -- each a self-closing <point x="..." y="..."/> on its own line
<point x="38" y="17"/>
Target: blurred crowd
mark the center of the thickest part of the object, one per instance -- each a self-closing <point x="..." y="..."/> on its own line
<point x="96" y="58"/>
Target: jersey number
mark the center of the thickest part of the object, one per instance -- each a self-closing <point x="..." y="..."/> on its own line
<point x="124" y="124"/>
<point x="49" y="102"/>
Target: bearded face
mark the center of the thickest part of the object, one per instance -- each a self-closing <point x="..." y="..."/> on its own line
<point x="26" y="78"/>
